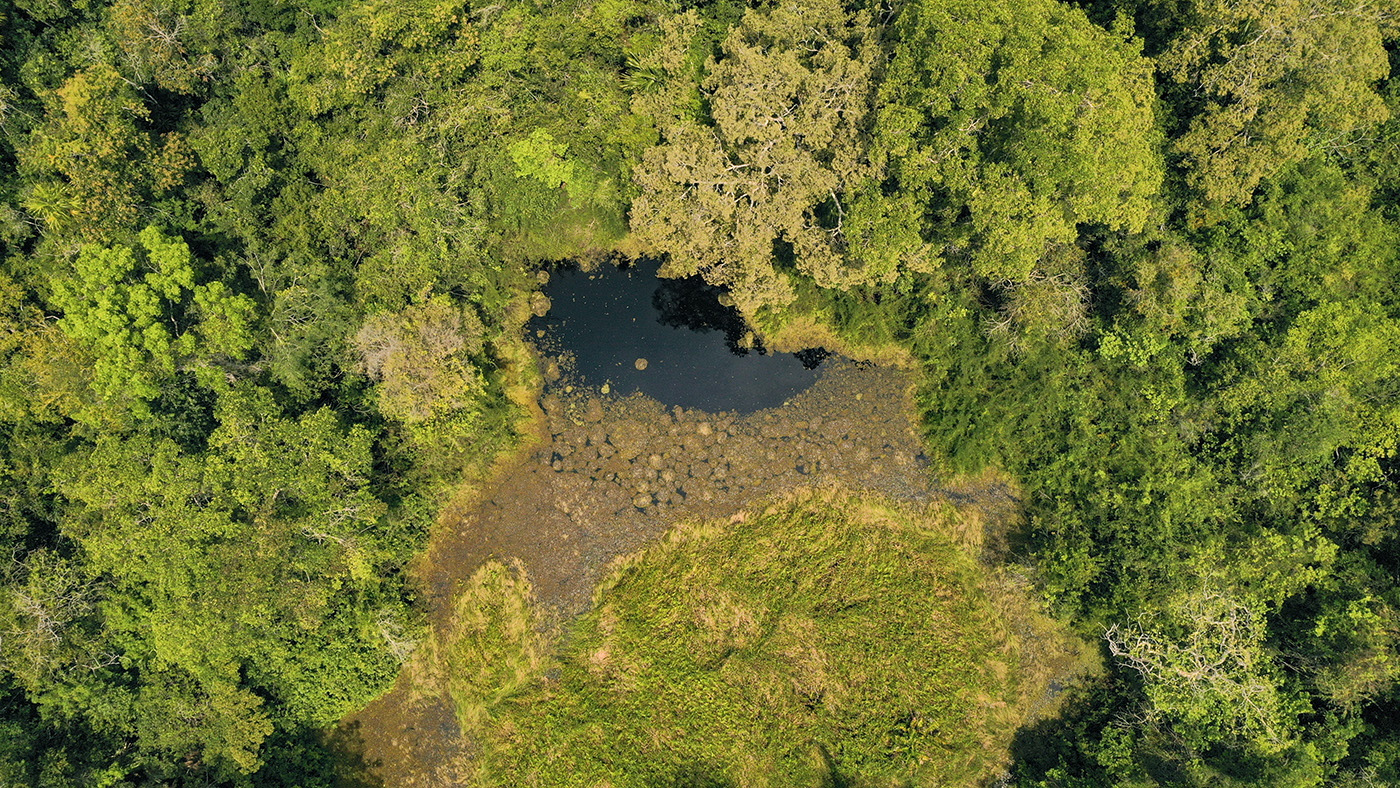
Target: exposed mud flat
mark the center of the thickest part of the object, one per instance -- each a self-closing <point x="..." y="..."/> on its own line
<point x="616" y="473"/>
<point x="611" y="476"/>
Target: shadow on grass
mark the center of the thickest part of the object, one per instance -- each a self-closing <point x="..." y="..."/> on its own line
<point x="1066" y="745"/>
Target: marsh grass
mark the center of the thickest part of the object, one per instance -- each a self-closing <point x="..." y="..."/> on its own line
<point x="824" y="640"/>
<point x="497" y="645"/>
<point x="865" y="324"/>
<point x="794" y="330"/>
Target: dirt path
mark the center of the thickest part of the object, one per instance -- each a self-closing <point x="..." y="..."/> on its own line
<point x="612" y="477"/>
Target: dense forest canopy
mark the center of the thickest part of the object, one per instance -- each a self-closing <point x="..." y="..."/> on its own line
<point x="265" y="264"/>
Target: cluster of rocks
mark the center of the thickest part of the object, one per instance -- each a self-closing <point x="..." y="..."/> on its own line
<point x="616" y="472"/>
<point x="635" y="452"/>
<point x="611" y="474"/>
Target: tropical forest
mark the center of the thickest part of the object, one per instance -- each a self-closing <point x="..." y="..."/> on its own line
<point x="699" y="393"/>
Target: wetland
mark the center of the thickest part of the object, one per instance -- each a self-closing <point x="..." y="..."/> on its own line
<point x="608" y="474"/>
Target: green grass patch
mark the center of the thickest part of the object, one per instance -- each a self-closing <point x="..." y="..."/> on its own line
<point x="827" y="640"/>
<point x="496" y="647"/>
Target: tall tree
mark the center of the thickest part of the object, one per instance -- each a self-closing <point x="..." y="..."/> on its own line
<point x="1267" y="82"/>
<point x="781" y="157"/>
<point x="1007" y="125"/>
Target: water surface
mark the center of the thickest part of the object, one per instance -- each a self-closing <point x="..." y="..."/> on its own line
<point x="694" y="346"/>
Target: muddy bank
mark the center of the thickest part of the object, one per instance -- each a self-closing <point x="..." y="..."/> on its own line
<point x="610" y="476"/>
<point x="616" y="473"/>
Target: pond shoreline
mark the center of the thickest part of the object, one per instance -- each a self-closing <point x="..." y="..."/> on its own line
<point x="610" y="475"/>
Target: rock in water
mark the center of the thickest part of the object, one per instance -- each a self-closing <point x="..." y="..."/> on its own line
<point x="640" y="364"/>
<point x="539" y="304"/>
<point x="593" y="411"/>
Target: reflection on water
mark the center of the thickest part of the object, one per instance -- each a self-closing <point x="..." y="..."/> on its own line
<point x="698" y="353"/>
<point x="694" y="304"/>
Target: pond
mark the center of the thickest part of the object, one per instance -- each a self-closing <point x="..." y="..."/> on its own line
<point x="670" y="339"/>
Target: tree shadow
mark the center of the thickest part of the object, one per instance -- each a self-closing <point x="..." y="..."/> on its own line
<point x="309" y="758"/>
<point x="694" y="304"/>
<point x="812" y="357"/>
<point x="346" y="747"/>
<point x="1067" y="743"/>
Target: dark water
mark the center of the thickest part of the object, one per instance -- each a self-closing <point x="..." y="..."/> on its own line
<point x="693" y="345"/>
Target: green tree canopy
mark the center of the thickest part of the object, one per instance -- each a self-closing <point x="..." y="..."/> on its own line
<point x="781" y="157"/>
<point x="249" y="573"/>
<point x="1271" y="82"/>
<point x="1007" y="125"/>
<point x="142" y="319"/>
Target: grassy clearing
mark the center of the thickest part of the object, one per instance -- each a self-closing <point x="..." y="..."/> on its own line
<point x="827" y="640"/>
<point x="496" y="647"/>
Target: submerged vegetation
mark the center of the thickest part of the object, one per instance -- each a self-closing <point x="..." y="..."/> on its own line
<point x="264" y="264"/>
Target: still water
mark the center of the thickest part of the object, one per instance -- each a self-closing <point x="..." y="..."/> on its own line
<point x="692" y="345"/>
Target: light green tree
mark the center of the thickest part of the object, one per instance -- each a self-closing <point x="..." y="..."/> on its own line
<point x="1208" y="672"/>
<point x="142" y="317"/>
<point x="1204" y="653"/>
<point x="1006" y="125"/>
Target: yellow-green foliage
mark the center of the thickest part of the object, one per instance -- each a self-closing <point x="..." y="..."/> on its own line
<point x="494" y="648"/>
<point x="824" y="639"/>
